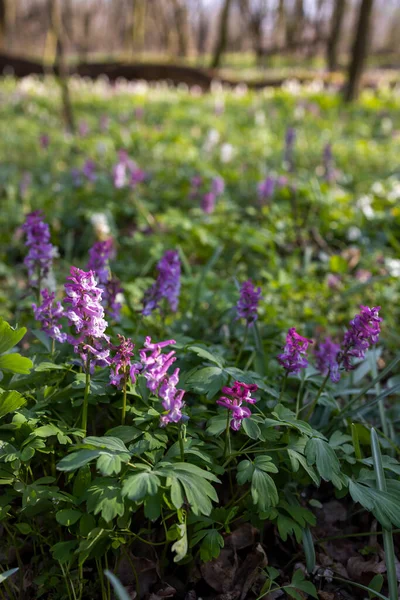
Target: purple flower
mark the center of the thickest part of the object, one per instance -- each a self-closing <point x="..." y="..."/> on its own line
<point x="121" y="364"/>
<point x="25" y="183"/>
<point x="89" y="170"/>
<point x="83" y="128"/>
<point x="167" y="285"/>
<point x="172" y="399"/>
<point x="112" y="290"/>
<point x="266" y="188"/>
<point x="237" y="394"/>
<point x="363" y="331"/>
<point x="327" y="359"/>
<point x="104" y="122"/>
<point x="44" y="141"/>
<point x="41" y="252"/>
<point x="329" y="169"/>
<point x="333" y="281"/>
<point x="155" y="364"/>
<point x="290" y="138"/>
<point x="99" y="256"/>
<point x="49" y="315"/>
<point x="217" y="186"/>
<point x="208" y="202"/>
<point x="126" y="172"/>
<point x="294" y="356"/>
<point x="248" y="302"/>
<point x="86" y="314"/>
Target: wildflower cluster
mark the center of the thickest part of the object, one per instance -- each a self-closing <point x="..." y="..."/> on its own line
<point x="363" y="331"/>
<point x="99" y="257"/>
<point x="49" y="313"/>
<point x="326" y="359"/>
<point x="155" y="367"/>
<point x="41" y="252"/>
<point x="86" y="314"/>
<point x="233" y="400"/>
<point x="208" y="196"/>
<point x="126" y="172"/>
<point x="294" y="356"/>
<point x="167" y="286"/>
<point x="122" y="368"/>
<point x="248" y="302"/>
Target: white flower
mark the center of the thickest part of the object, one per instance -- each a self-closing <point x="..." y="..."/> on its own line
<point x="212" y="140"/>
<point x="353" y="233"/>
<point x="393" y="266"/>
<point x="227" y="152"/>
<point x="259" y="118"/>
<point x="364" y="204"/>
<point x="100" y="224"/>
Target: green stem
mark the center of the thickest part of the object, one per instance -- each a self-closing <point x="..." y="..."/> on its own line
<point x="86" y="396"/>
<point x="101" y="578"/>
<point x="387" y="533"/>
<point x="53" y="348"/>
<point x="314" y="403"/>
<point x="239" y="356"/>
<point x="108" y="581"/>
<point x="361" y="587"/>
<point x="227" y="447"/>
<point x="382" y="413"/>
<point x="284" y="382"/>
<point x="299" y="396"/>
<point x="123" y="402"/>
<point x="181" y="446"/>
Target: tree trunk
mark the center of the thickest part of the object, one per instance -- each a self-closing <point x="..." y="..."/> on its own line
<point x="182" y="27"/>
<point x="139" y="26"/>
<point x="3" y="24"/>
<point x="359" y="53"/>
<point x="334" y="37"/>
<point x="222" y="36"/>
<point x="60" y="66"/>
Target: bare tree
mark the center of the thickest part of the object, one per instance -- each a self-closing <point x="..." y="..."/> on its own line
<point x="255" y="14"/>
<point x="182" y="26"/>
<point x="222" y="36"/>
<point x="60" y="66"/>
<point x="139" y="26"/>
<point x="334" y="36"/>
<point x="359" y="53"/>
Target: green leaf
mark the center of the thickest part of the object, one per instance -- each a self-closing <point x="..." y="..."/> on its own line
<point x="109" y="464"/>
<point x="78" y="459"/>
<point x="207" y="380"/>
<point x="263" y="490"/>
<point x="216" y="425"/>
<point x="287" y="526"/>
<point x="64" y="551"/>
<point x="244" y="472"/>
<point x="297" y="459"/>
<point x="68" y="516"/>
<point x="212" y="542"/>
<point x="105" y="496"/>
<point x="251" y="429"/>
<point x="204" y="353"/>
<point x="320" y="453"/>
<point x="86" y="524"/>
<point x="24" y="528"/>
<point x="81" y="481"/>
<point x="113" y="444"/>
<point x="264" y="463"/>
<point x="180" y="547"/>
<point x="10" y="401"/>
<point x="9" y="337"/>
<point x="119" y="589"/>
<point x="15" y="363"/>
<point x="6" y="574"/>
<point x="138" y="486"/>
<point x="300" y="583"/>
<point x="195" y="483"/>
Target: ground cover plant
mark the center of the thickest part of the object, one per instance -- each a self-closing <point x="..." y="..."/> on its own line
<point x="199" y="343"/>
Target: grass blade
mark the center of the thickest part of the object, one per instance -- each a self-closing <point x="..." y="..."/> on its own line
<point x="387" y="534"/>
<point x="119" y="589"/>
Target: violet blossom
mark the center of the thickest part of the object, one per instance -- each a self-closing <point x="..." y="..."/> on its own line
<point x="41" y="252"/>
<point x="99" y="256"/>
<point x="112" y="291"/>
<point x="290" y="138"/>
<point x="44" y="141"/>
<point x="155" y="367"/>
<point x="122" y="368"/>
<point x="247" y="304"/>
<point x="266" y="188"/>
<point x="208" y="203"/>
<point x="49" y="313"/>
<point x="327" y="359"/>
<point x="235" y="396"/>
<point x="294" y="356"/>
<point x="89" y="170"/>
<point x="86" y="314"/>
<point x="167" y="286"/>
<point x="364" y="330"/>
<point x="126" y="172"/>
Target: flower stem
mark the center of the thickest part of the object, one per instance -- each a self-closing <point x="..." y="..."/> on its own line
<point x="314" y="403"/>
<point x="227" y="447"/>
<point x="283" y="387"/>
<point x="123" y="403"/>
<point x="86" y="396"/>
<point x="181" y="446"/>
<point x="239" y="356"/>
